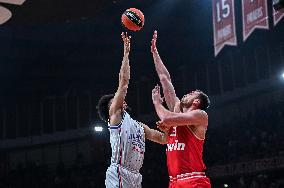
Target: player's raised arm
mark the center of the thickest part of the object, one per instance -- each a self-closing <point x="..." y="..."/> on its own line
<point x="164" y="76"/>
<point x="195" y="117"/>
<point x="124" y="76"/>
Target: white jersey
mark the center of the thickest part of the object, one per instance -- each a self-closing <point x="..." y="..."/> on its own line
<point x="128" y="146"/>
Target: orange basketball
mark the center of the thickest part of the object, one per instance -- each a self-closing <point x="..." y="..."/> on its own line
<point x="133" y="19"/>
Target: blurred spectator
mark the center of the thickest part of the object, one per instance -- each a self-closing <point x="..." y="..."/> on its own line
<point x="259" y="135"/>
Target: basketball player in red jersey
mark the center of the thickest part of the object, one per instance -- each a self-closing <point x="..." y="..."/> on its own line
<point x="186" y="123"/>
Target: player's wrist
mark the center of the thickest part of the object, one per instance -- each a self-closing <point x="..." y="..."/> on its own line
<point x="157" y="103"/>
<point x="155" y="52"/>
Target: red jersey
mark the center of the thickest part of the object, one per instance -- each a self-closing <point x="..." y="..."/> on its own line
<point x="184" y="152"/>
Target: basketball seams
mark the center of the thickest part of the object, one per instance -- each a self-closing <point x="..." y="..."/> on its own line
<point x="134" y="17"/>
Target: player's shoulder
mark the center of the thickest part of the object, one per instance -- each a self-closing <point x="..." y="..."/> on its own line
<point x="198" y="112"/>
<point x="200" y="115"/>
<point x="203" y="112"/>
<point x="204" y="116"/>
<point x="118" y="118"/>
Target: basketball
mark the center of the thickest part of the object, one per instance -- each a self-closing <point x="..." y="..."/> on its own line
<point x="132" y="19"/>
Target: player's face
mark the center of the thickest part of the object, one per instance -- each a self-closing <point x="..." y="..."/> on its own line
<point x="124" y="105"/>
<point x="188" y="99"/>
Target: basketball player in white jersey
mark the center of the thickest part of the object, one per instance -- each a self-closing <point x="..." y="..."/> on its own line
<point x="127" y="136"/>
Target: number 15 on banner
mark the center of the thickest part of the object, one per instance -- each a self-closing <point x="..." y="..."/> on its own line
<point x="223" y="24"/>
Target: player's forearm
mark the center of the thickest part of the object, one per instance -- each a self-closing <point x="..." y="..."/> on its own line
<point x="159" y="137"/>
<point x="169" y="94"/>
<point x="161" y="111"/>
<point x="124" y="74"/>
<point x="119" y="95"/>
<point x="164" y="139"/>
<point x="160" y="67"/>
<point x="164" y="76"/>
<point x="168" y="118"/>
<point x="125" y="57"/>
<point x="154" y="135"/>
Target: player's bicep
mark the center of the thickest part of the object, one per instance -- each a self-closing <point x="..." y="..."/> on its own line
<point x="118" y="99"/>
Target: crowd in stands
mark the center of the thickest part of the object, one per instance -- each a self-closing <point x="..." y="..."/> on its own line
<point x="261" y="180"/>
<point x="256" y="136"/>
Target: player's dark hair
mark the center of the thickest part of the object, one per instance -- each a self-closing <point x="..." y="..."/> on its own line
<point x="103" y="107"/>
<point x="204" y="100"/>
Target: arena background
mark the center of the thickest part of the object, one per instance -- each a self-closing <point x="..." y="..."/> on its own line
<point x="58" y="57"/>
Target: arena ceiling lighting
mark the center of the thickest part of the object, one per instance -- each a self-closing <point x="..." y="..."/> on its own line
<point x="98" y="128"/>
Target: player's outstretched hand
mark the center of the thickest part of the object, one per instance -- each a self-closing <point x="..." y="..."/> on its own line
<point x="156" y="95"/>
<point x="162" y="127"/>
<point x="153" y="42"/>
<point x="126" y="42"/>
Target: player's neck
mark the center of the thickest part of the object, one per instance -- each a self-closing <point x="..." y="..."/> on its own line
<point x="184" y="110"/>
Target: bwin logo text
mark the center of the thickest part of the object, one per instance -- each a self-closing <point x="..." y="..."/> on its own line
<point x="175" y="146"/>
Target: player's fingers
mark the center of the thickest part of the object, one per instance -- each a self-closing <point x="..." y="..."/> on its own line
<point x="155" y="34"/>
<point x="160" y="123"/>
<point x="123" y="35"/>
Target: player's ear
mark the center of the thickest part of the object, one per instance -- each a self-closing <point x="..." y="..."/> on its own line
<point x="196" y="102"/>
